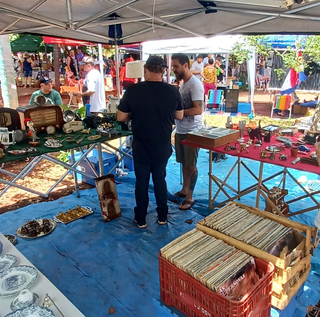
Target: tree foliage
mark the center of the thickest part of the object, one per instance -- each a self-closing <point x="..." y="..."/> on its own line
<point x="296" y="57"/>
<point x="247" y="45"/>
<point x="13" y="37"/>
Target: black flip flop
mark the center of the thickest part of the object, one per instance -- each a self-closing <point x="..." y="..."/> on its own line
<point x="187" y="204"/>
<point x="180" y="195"/>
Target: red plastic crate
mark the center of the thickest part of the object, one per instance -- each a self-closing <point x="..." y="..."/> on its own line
<point x="180" y="290"/>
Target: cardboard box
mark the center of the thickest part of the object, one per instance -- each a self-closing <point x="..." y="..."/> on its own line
<point x="296" y="109"/>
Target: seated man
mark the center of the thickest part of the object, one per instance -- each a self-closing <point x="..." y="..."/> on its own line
<point x="46" y="90"/>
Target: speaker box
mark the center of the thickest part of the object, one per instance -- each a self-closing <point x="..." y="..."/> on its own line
<point x="42" y="116"/>
<point x="231" y="100"/>
<point x="9" y="118"/>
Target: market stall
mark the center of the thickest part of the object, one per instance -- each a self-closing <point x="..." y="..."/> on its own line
<point x="115" y="264"/>
<point x="272" y="152"/>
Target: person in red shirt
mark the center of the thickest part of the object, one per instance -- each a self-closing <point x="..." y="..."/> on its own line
<point x="126" y="82"/>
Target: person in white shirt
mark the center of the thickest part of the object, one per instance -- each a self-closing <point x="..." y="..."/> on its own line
<point x="94" y="86"/>
<point x="192" y="93"/>
<point x="206" y="60"/>
<point x="197" y="68"/>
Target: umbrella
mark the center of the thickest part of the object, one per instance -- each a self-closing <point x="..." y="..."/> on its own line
<point x="26" y="43"/>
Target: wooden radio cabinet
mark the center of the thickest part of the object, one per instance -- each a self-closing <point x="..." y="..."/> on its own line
<point x="42" y="116"/>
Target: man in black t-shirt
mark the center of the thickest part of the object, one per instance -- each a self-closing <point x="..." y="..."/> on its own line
<point x="152" y="105"/>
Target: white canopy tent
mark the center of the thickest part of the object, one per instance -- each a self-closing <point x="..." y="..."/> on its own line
<point x="135" y="21"/>
<point x="217" y="45"/>
<point x="143" y="20"/>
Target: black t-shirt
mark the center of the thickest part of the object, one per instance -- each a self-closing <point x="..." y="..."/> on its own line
<point x="152" y="106"/>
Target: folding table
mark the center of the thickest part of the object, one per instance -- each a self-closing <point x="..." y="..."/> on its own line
<point x="259" y="179"/>
<point x="44" y="153"/>
<point x="41" y="287"/>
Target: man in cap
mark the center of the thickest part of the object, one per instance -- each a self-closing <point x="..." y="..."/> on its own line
<point x="93" y="86"/>
<point x="46" y="90"/>
<point x="152" y="105"/>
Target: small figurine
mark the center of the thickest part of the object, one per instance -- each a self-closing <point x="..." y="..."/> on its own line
<point x="227" y="147"/>
<point x="30" y="128"/>
<point x="263" y="154"/>
<point x="243" y="147"/>
<point x="272" y="156"/>
<point x="255" y="133"/>
<point x="283" y="157"/>
<point x="251" y="115"/>
<point x="229" y="124"/>
<point x="249" y="142"/>
<point x="2" y="149"/>
<point x="267" y="136"/>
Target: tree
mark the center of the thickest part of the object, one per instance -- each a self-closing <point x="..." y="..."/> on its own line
<point x="297" y="56"/>
<point x="245" y="48"/>
<point x="13" y="37"/>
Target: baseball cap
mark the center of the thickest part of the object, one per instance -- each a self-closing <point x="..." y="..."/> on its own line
<point x="156" y="61"/>
<point x="45" y="80"/>
<point x="86" y="60"/>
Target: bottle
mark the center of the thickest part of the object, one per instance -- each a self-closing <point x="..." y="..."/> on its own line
<point x="34" y="136"/>
<point x="88" y="109"/>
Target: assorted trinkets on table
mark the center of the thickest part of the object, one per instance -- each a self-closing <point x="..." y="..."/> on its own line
<point x="36" y="228"/>
<point x="73" y="214"/>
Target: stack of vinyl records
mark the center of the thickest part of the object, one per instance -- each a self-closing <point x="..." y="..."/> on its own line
<point x="218" y="266"/>
<point x="262" y="233"/>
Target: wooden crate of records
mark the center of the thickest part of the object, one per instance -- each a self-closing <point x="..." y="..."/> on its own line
<point x="287" y="244"/>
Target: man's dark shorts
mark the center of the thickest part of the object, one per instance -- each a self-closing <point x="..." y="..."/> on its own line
<point x="185" y="154"/>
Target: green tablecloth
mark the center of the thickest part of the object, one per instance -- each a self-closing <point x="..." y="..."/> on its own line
<point x="42" y="149"/>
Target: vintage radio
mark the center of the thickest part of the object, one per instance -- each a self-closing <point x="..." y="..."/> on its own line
<point x="9" y="118"/>
<point x="43" y="116"/>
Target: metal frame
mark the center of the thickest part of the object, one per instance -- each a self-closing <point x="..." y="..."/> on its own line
<point x="164" y="20"/>
<point x="72" y="166"/>
<point x="259" y="186"/>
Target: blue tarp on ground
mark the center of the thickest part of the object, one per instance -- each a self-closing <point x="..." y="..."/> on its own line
<point x="98" y="265"/>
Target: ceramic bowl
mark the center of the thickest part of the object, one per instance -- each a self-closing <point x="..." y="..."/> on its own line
<point x="24" y="299"/>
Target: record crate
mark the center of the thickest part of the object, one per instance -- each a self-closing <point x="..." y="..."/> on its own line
<point x="183" y="292"/>
<point x="291" y="270"/>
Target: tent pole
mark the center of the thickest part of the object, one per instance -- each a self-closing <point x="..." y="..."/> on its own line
<point x="24" y="15"/>
<point x="251" y="69"/>
<point x="37" y="5"/>
<point x="102" y="75"/>
<point x="104" y="13"/>
<point x="69" y="13"/>
<point x="7" y="75"/>
<point x="56" y="56"/>
<point x="227" y="66"/>
<point x="168" y="57"/>
<point x="116" y="55"/>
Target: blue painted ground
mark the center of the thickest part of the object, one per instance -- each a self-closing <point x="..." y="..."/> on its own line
<point x="98" y="265"/>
